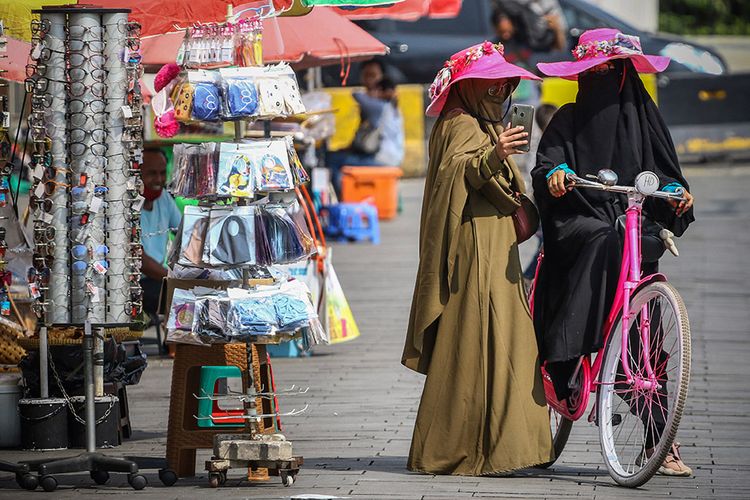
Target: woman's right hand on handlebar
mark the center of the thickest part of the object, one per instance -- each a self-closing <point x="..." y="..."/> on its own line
<point x="556" y="184"/>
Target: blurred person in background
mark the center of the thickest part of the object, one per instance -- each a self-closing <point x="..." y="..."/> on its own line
<point x="159" y="217"/>
<point x="370" y="73"/>
<point x="379" y="140"/>
<point x="525" y="27"/>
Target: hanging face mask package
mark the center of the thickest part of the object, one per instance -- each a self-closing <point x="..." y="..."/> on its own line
<point x="248" y="218"/>
<point x="236" y="169"/>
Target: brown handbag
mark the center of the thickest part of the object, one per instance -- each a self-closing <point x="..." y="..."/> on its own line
<point x="525" y="218"/>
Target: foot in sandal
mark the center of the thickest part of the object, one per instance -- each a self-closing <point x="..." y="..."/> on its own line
<point x="673" y="464"/>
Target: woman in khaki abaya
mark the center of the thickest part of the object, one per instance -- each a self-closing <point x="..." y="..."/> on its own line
<point x="483" y="409"/>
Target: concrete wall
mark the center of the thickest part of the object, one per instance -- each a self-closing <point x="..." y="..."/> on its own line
<point x="643" y="14"/>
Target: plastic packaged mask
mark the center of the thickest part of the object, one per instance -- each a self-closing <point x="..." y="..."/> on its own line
<point x="182" y="96"/>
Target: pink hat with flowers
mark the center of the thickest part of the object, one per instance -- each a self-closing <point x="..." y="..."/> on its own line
<point x="484" y="60"/>
<point x="600" y="45"/>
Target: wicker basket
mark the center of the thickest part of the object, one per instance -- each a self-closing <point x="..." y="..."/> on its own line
<point x="11" y="350"/>
<point x="74" y="336"/>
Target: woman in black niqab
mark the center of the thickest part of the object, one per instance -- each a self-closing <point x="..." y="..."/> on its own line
<point x="613" y="124"/>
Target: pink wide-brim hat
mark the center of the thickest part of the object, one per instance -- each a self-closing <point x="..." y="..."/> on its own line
<point x="484" y="60"/>
<point x="601" y="45"/>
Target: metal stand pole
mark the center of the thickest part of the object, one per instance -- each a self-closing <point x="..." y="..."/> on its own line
<point x="88" y="381"/>
<point x="43" y="364"/>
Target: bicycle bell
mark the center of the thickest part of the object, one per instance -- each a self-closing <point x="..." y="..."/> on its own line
<point x="646" y="183"/>
<point x="607" y="177"/>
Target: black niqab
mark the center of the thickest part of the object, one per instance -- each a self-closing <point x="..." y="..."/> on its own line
<point x="613" y="124"/>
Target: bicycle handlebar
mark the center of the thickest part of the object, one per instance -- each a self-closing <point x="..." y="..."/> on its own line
<point x="580" y="182"/>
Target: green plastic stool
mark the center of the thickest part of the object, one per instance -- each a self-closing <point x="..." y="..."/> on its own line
<point x="211" y="378"/>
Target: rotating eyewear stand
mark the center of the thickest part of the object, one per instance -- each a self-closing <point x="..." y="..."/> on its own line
<point x="96" y="464"/>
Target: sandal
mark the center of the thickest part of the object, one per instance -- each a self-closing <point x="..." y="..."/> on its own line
<point x="673" y="464"/>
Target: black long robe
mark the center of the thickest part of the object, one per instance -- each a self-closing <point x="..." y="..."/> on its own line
<point x="613" y="124"/>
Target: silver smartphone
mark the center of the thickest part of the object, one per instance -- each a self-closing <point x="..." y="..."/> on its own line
<point x="523" y="115"/>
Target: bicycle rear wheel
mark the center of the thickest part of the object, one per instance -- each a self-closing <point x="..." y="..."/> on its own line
<point x="560" y="427"/>
<point x="637" y="423"/>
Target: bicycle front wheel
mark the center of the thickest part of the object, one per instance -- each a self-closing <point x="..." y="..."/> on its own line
<point x="637" y="419"/>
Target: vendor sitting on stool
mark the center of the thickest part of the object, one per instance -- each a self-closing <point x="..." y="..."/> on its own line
<point x="159" y="217"/>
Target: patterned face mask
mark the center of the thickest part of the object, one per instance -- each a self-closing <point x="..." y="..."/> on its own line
<point x="206" y="102"/>
<point x="241" y="96"/>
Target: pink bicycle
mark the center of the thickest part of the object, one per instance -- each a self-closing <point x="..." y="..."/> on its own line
<point x="642" y="372"/>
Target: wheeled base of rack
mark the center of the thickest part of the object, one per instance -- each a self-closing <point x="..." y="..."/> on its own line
<point x="97" y="465"/>
<point x="287" y="469"/>
<point x="24" y="477"/>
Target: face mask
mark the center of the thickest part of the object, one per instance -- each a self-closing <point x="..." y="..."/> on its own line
<point x="151" y="194"/>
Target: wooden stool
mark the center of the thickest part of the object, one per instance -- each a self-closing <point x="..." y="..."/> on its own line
<point x="184" y="436"/>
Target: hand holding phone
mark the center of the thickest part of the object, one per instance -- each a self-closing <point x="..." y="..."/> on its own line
<point x="522" y="115"/>
<point x="510" y="141"/>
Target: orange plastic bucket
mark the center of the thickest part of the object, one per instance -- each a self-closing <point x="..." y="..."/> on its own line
<point x="376" y="183"/>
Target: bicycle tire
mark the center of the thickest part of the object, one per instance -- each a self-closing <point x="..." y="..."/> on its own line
<point x="560" y="436"/>
<point x="607" y="388"/>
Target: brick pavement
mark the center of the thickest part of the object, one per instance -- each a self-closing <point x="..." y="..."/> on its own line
<point x="355" y="437"/>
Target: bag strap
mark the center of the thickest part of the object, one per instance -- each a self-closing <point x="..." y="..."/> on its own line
<point x="316" y="229"/>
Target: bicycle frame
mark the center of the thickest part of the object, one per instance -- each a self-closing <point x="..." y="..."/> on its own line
<point x="629" y="282"/>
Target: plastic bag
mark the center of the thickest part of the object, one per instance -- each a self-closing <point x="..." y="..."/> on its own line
<point x="239" y="93"/>
<point x="232" y="236"/>
<point x="251" y="316"/>
<point x="194" y="170"/>
<point x="210" y="324"/>
<point x="195" y="223"/>
<point x="235" y="175"/>
<point x="288" y="242"/>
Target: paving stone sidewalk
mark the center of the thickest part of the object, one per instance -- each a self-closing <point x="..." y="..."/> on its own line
<point x="355" y="436"/>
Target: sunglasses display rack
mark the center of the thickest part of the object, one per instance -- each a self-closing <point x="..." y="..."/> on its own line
<point x="86" y="129"/>
<point x="6" y="276"/>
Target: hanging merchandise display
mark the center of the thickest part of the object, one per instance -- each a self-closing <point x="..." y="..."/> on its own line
<point x="236" y="170"/>
<point x="247" y="222"/>
<point x="86" y="130"/>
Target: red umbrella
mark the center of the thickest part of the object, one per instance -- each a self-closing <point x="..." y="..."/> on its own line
<point x="15" y="63"/>
<point x="408" y="10"/>
<point x="319" y="38"/>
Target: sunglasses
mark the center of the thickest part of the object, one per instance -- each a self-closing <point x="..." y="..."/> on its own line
<point x="97" y="74"/>
<point x="78" y="32"/>
<point x="132" y="28"/>
<point x="81" y="120"/>
<point x="78" y="45"/>
<point x="499" y="90"/>
<point x="79" y="106"/>
<point x="79" y="89"/>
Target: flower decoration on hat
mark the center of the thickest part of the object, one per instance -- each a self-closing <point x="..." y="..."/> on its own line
<point x="621" y="44"/>
<point x="459" y="63"/>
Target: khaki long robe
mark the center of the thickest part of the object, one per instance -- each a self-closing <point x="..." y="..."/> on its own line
<point x="483" y="408"/>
